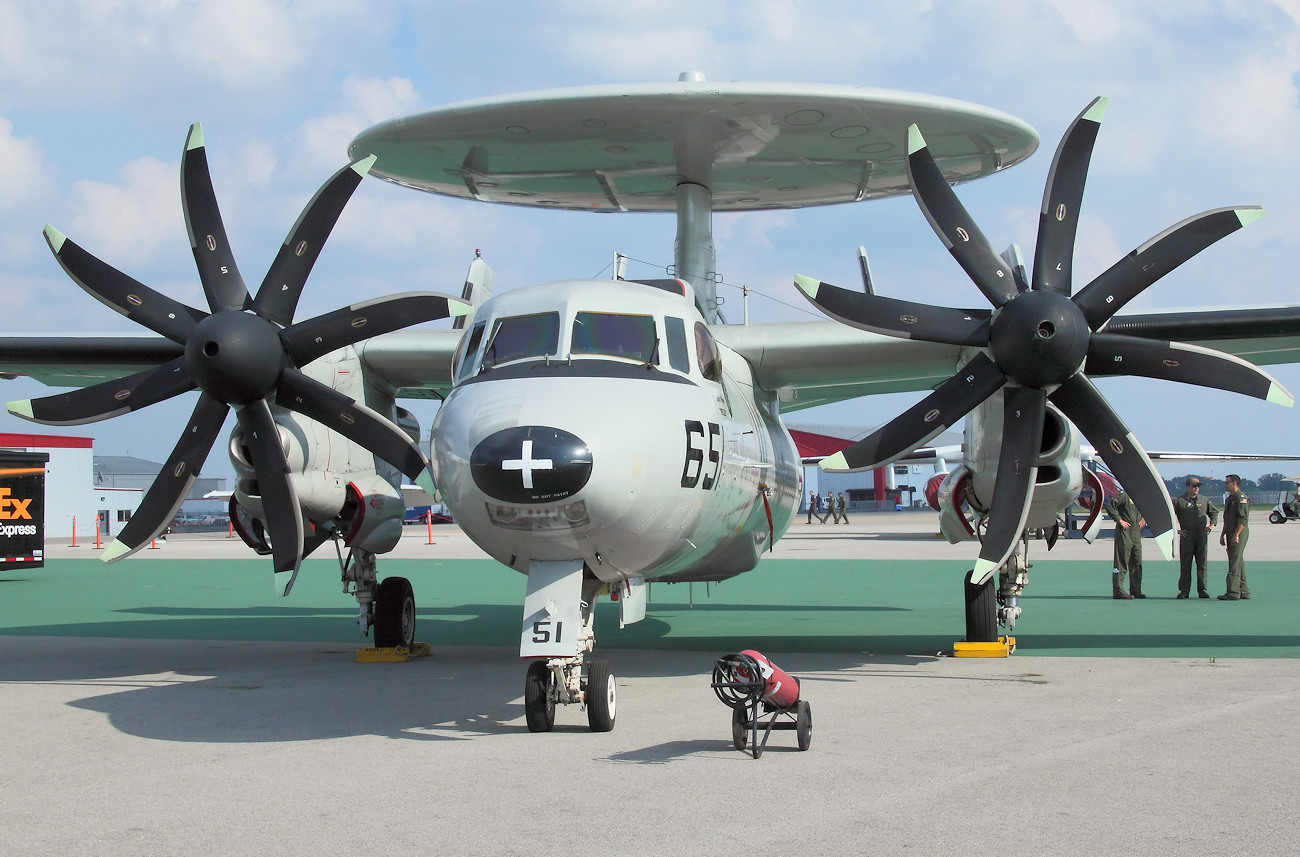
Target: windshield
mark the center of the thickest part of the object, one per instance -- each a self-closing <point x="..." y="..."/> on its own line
<point x="523" y="336"/>
<point x="631" y="336"/>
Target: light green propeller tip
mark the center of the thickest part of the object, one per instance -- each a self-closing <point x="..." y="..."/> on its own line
<point x="1276" y="394"/>
<point x="195" y="138"/>
<point x="20" y="408"/>
<point x="982" y="569"/>
<point x="1097" y="109"/>
<point x="835" y="462"/>
<point x="456" y="308"/>
<point x="362" y="167"/>
<point x="1165" y="541"/>
<point x="1248" y="216"/>
<point x="115" y="551"/>
<point x="807" y="285"/>
<point x="425" y="481"/>
<point x="915" y="142"/>
<point x="55" y="237"/>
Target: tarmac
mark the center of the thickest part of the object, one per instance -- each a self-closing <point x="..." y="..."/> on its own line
<point x="164" y="705"/>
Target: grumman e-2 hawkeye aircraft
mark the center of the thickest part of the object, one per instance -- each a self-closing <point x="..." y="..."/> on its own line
<point x="596" y="435"/>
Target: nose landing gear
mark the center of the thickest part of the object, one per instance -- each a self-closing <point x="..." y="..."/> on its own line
<point x="559" y="599"/>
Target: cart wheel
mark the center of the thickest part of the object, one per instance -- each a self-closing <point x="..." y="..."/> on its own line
<point x="1275" y="517"/>
<point x="803" y="725"/>
<point x="739" y="727"/>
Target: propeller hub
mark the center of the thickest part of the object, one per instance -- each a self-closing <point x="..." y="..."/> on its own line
<point x="1039" y="338"/>
<point x="235" y="356"/>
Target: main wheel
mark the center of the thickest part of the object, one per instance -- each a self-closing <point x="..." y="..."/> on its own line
<point x="739" y="727"/>
<point x="601" y="696"/>
<point x="982" y="611"/>
<point x="1276" y="517"/>
<point x="394" y="613"/>
<point x="803" y="725"/>
<point x="539" y="706"/>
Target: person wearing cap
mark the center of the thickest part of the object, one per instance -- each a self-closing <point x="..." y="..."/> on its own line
<point x="1128" y="546"/>
<point x="1236" y="532"/>
<point x="1196" y="517"/>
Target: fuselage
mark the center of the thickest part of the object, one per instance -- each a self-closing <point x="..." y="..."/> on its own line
<point x="600" y="420"/>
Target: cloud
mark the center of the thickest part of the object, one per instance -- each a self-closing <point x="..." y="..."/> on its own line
<point x="25" y="174"/>
<point x="85" y="52"/>
<point x="125" y="223"/>
<point x="322" y="144"/>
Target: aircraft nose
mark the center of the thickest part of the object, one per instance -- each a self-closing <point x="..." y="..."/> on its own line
<point x="531" y="464"/>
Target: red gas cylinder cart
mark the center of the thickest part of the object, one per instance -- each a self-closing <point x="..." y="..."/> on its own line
<point x="753" y="687"/>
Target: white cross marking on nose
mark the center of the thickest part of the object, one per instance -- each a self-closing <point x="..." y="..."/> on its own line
<point x="527" y="463"/>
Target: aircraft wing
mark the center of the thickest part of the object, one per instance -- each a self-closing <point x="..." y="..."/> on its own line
<point x="819" y="362"/>
<point x="411" y="364"/>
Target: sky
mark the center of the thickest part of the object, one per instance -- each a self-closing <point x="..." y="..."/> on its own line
<point x="96" y="98"/>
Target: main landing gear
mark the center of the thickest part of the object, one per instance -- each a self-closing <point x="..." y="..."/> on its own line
<point x="996" y="601"/>
<point x="388" y="607"/>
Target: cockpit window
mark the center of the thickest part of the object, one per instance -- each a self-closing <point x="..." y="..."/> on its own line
<point x="467" y="350"/>
<point x="675" y="333"/>
<point x="707" y="353"/>
<point x="522" y="336"/>
<point x="615" y="335"/>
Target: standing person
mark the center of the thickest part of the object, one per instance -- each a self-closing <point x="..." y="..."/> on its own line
<point x="830" y="508"/>
<point x="842" y="508"/>
<point x="813" y="502"/>
<point x="1236" y="532"/>
<point x="1128" y="546"/>
<point x="1196" y="517"/>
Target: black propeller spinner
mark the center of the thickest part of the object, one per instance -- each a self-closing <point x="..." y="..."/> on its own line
<point x="241" y="354"/>
<point x="1040" y="341"/>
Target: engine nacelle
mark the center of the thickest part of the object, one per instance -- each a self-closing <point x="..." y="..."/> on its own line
<point x="1059" y="478"/>
<point x="950" y="495"/>
<point x="372" y="515"/>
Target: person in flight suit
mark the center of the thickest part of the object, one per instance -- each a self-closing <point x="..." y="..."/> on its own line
<point x="842" y="508"/>
<point x="1236" y="532"/>
<point x="831" y="511"/>
<point x="1128" y="546"/>
<point x="814" y="501"/>
<point x="1196" y="517"/>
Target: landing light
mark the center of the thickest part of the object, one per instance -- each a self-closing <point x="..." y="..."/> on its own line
<point x="531" y="518"/>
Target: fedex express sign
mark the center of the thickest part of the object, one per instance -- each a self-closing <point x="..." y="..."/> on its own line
<point x="22" y="514"/>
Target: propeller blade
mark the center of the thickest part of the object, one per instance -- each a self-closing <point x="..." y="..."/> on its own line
<point x="1079" y="400"/>
<point x="354" y="421"/>
<point x="121" y="293"/>
<point x="314" y="337"/>
<point x="1115" y="354"/>
<point x="109" y="399"/>
<point x="1058" y="223"/>
<point x="280" y="507"/>
<point x="1023" y="410"/>
<point x="1127" y="278"/>
<point x="897" y="318"/>
<point x="173" y="482"/>
<point x="282" y="514"/>
<point x="954" y="225"/>
<point x="218" y="273"/>
<point x="921" y="423"/>
<point x="277" y="297"/>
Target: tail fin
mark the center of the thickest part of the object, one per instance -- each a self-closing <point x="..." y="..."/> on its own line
<point x="478" y="287"/>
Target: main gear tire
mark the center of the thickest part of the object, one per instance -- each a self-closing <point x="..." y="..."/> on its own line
<point x="394" y="613"/>
<point x="982" y="611"/>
